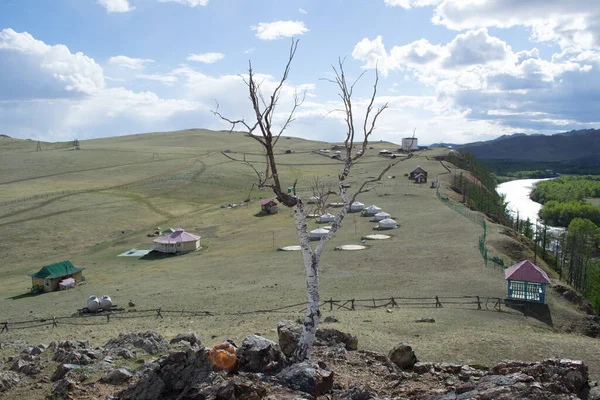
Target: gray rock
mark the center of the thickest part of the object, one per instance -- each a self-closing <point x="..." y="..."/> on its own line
<point x="403" y="355"/>
<point x="62" y="388"/>
<point x="289" y="334"/>
<point x="26" y="367"/>
<point x="73" y="352"/>
<point x="122" y="352"/>
<point x="594" y="393"/>
<point x="330" y="319"/>
<point x="308" y="377"/>
<point x="37" y="350"/>
<point x="62" y="370"/>
<point x="259" y="354"/>
<point x="150" y="342"/>
<point x="189" y="337"/>
<point x="357" y="393"/>
<point x="425" y="320"/>
<point x="171" y="376"/>
<point x="8" y="380"/>
<point x="333" y="336"/>
<point x="117" y="377"/>
<point x="422" y="367"/>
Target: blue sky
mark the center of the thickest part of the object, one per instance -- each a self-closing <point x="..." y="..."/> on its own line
<point x="456" y="70"/>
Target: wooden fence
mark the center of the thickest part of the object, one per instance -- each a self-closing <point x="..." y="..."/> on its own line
<point x="483" y="303"/>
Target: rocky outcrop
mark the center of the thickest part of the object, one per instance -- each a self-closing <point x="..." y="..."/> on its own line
<point x="190" y="338"/>
<point x="403" y="355"/>
<point x="73" y="352"/>
<point x="309" y="377"/>
<point x="333" y="336"/>
<point x="8" y="380"/>
<point x="151" y="342"/>
<point x="117" y="377"/>
<point x="571" y="295"/>
<point x="173" y="375"/>
<point x="259" y="354"/>
<point x="587" y="326"/>
<point x="288" y="333"/>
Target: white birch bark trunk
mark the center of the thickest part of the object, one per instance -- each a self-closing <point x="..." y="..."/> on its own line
<point x="311" y="265"/>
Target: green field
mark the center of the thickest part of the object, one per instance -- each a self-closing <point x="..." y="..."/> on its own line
<point x="92" y="204"/>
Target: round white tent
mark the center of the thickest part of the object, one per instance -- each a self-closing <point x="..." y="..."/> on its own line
<point x="381" y="216"/>
<point x="387" y="223"/>
<point x="327" y="218"/>
<point x="356" y="206"/>
<point x="318" y="233"/>
<point x="372" y="210"/>
<point x="313" y="199"/>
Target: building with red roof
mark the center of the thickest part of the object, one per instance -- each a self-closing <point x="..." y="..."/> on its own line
<point x="526" y="282"/>
<point x="179" y="241"/>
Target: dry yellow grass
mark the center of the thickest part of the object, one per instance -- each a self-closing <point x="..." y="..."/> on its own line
<point x="433" y="252"/>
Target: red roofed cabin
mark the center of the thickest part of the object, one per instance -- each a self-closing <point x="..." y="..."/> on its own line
<point x="179" y="241"/>
<point x="269" y="206"/>
<point x="418" y="174"/>
<point x="526" y="282"/>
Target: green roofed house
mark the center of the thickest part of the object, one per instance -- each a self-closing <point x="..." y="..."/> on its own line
<point x="61" y="275"/>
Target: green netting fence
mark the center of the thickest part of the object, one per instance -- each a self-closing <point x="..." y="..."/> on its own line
<point x="494" y="261"/>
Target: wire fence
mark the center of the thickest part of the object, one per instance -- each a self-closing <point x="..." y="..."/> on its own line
<point x="495" y="261"/>
<point x="481" y="303"/>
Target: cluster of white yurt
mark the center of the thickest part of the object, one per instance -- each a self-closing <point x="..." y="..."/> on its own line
<point x="372" y="210"/>
<point x="380" y="216"/>
<point x="387" y="223"/>
<point x="318" y="233"/>
<point x="94" y="304"/>
<point x="327" y="218"/>
<point x="357" y="206"/>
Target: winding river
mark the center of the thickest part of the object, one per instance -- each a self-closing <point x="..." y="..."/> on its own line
<point x="517" y="196"/>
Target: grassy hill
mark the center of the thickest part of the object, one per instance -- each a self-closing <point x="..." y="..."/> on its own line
<point x="567" y="152"/>
<point x="91" y="205"/>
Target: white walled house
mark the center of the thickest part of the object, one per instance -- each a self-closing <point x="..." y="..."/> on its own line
<point x="179" y="241"/>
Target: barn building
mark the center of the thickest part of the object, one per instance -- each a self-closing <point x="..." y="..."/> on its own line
<point x="526" y="282"/>
<point x="61" y="275"/>
<point x="269" y="206"/>
<point x="179" y="241"/>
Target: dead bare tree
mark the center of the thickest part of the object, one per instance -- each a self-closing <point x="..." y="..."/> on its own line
<point x="263" y="131"/>
<point x="320" y="191"/>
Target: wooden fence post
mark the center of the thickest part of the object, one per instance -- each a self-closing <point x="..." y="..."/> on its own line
<point x="478" y="303"/>
<point x="394" y="304"/>
<point x="4" y="327"/>
<point x="107" y="318"/>
<point x="158" y="314"/>
<point x="54" y="324"/>
<point x="331" y="304"/>
<point x="353" y="305"/>
<point x="437" y="303"/>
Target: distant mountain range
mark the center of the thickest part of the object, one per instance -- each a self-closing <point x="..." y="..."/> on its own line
<point x="566" y="152"/>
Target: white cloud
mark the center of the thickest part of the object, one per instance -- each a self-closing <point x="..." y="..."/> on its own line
<point x="116" y="6"/>
<point x="249" y="50"/>
<point x="279" y="29"/>
<point x="37" y="70"/>
<point x="302" y="11"/>
<point x="476" y="47"/>
<point x="191" y="3"/>
<point x="125" y="62"/>
<point x="569" y="23"/>
<point x="208" y="58"/>
<point x="411" y="3"/>
<point x="166" y="79"/>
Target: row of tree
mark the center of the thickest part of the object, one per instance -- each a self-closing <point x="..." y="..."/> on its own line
<point x="566" y="188"/>
<point x="479" y="194"/>
<point x="563" y="213"/>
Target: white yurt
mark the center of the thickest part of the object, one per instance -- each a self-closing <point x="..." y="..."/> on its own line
<point x="356" y="206"/>
<point x="313" y="199"/>
<point x="318" y="233"/>
<point x="387" y="223"/>
<point x="372" y="210"/>
<point x="327" y="218"/>
<point x="381" y="216"/>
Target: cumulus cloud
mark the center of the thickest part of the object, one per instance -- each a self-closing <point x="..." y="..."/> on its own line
<point x="166" y="79"/>
<point x="208" y="58"/>
<point x="569" y="23"/>
<point x="125" y="62"/>
<point x="476" y="47"/>
<point x="191" y="3"/>
<point x="38" y="70"/>
<point x="116" y="6"/>
<point x="279" y="29"/>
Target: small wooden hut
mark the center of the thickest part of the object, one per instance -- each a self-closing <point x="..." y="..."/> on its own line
<point x="417" y="171"/>
<point x="269" y="206"/>
<point x="526" y="282"/>
<point x="50" y="277"/>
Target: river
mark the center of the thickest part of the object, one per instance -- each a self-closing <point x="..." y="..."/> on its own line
<point x="516" y="194"/>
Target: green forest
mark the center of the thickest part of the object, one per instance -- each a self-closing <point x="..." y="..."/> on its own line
<point x="563" y="199"/>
